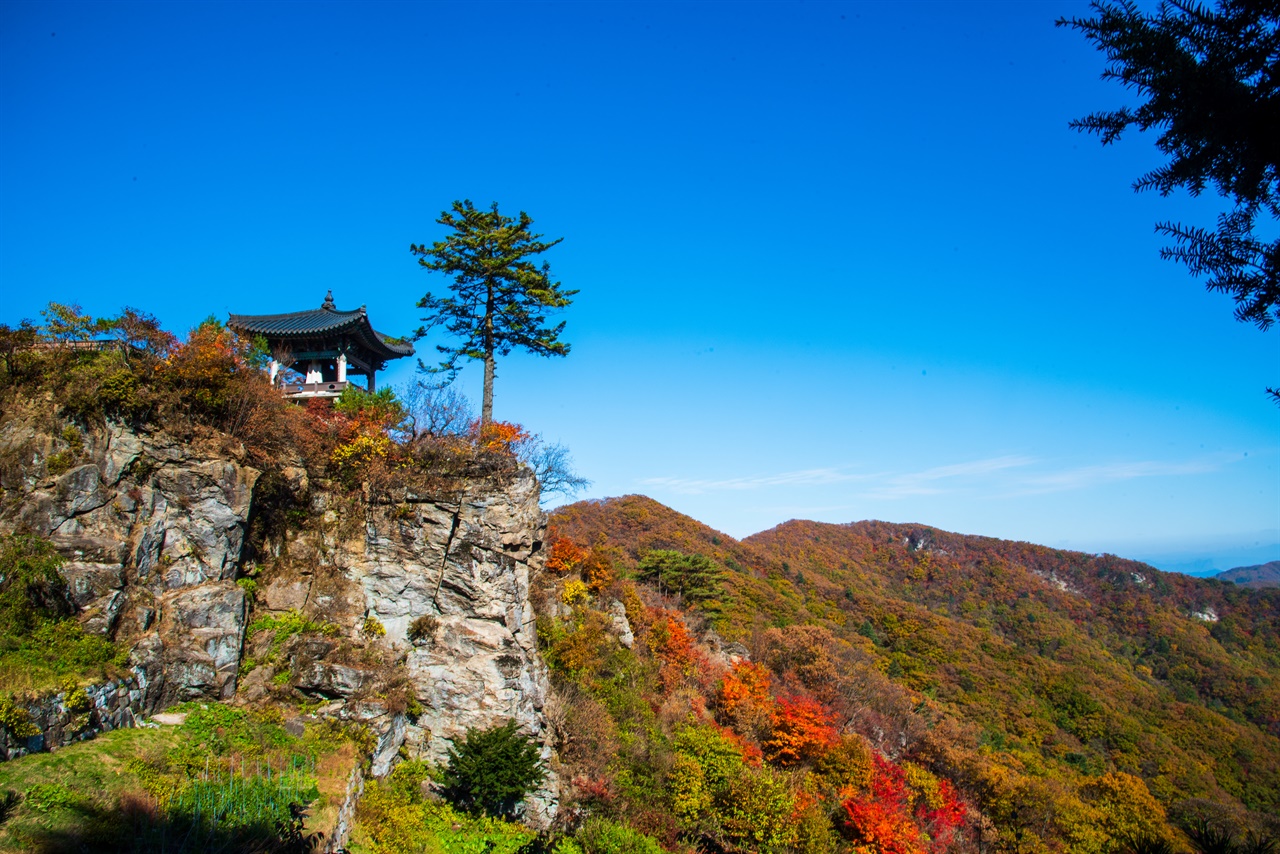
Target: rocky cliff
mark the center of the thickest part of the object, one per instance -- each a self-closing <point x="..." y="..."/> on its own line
<point x="409" y="613"/>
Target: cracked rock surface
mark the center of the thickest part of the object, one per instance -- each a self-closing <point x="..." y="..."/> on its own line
<point x="151" y="529"/>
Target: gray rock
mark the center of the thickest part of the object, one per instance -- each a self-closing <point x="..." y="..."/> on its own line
<point x="388" y="747"/>
<point x="619" y="625"/>
<point x="201" y="633"/>
<point x="332" y="680"/>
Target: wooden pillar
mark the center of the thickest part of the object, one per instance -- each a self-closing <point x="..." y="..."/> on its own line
<point x="371" y="389"/>
<point x="342" y="367"/>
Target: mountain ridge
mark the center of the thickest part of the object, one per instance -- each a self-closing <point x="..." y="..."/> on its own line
<point x="1260" y="575"/>
<point x="1057" y="662"/>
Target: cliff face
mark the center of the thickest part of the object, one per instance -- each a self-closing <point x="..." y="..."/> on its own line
<point x="153" y="532"/>
<point x="448" y="582"/>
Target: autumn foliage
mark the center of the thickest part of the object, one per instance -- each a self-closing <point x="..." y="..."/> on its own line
<point x="802" y="731"/>
<point x="895" y="818"/>
<point x="933" y="691"/>
<point x="564" y="555"/>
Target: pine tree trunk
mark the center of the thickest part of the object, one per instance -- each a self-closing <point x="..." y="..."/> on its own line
<point x="486" y="406"/>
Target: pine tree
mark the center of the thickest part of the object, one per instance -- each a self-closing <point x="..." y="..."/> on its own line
<point x="500" y="298"/>
<point x="492" y="770"/>
<point x="695" y="578"/>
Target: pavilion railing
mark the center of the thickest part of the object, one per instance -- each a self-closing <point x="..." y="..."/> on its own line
<point x="309" y="389"/>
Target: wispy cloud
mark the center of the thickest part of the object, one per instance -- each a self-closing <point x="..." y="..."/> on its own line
<point x="1087" y="476"/>
<point x="1008" y="476"/>
<point x="940" y="479"/>
<point x="806" y="477"/>
<point x="914" y="483"/>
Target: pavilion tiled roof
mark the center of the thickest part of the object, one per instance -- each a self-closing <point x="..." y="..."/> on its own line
<point x="321" y="322"/>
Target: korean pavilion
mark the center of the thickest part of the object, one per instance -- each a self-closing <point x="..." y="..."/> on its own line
<point x="324" y="345"/>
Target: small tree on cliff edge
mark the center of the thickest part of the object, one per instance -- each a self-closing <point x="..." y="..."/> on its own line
<point x="500" y="298"/>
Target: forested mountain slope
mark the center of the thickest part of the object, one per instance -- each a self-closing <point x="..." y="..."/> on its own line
<point x="1262" y="575"/>
<point x="1024" y="674"/>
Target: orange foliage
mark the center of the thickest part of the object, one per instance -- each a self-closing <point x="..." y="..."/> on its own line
<point x="884" y="818"/>
<point x="745" y="687"/>
<point x="205" y="364"/>
<point x="500" y="436"/>
<point x="565" y="554"/>
<point x="745" y="699"/>
<point x="802" y="731"/>
<point x="674" y="649"/>
<point x="597" y="568"/>
<point x="881" y="820"/>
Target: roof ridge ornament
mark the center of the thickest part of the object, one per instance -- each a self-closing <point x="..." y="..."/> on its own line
<point x="328" y="301"/>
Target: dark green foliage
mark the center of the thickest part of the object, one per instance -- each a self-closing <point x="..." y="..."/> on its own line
<point x="8" y="803"/>
<point x="380" y="406"/>
<point x="1209" y="837"/>
<point x="31" y="589"/>
<point x="492" y="770"/>
<point x="693" y="577"/>
<point x="1147" y="845"/>
<point x="40" y="644"/>
<point x="230" y="802"/>
<point x="500" y="297"/>
<point x="1206" y="82"/>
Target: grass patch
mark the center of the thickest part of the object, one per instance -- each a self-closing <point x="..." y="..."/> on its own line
<point x="227" y="779"/>
<point x="282" y="627"/>
<point x="56" y="651"/>
<point x="395" y="816"/>
<point x="41" y="647"/>
<point x="94" y="774"/>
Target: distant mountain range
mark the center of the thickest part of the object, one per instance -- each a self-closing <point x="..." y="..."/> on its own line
<point x="1021" y="673"/>
<point x="1262" y="575"/>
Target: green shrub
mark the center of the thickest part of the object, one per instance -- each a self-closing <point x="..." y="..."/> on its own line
<point x="284" y="626"/>
<point x="46" y="797"/>
<point x="373" y="627"/>
<point x="31" y="588"/>
<point x="16" y="719"/>
<point x="41" y="661"/>
<point x="74" y="697"/>
<point x="492" y="770"/>
<point x="394" y="816"/>
<point x="39" y="645"/>
<point x="381" y="407"/>
<point x="601" y="836"/>
<point x="60" y="463"/>
<point x="213" y="730"/>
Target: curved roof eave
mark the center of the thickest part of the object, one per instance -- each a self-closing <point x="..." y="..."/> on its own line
<point x="320" y="322"/>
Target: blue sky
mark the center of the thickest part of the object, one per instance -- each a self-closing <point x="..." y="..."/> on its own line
<point x="837" y="261"/>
